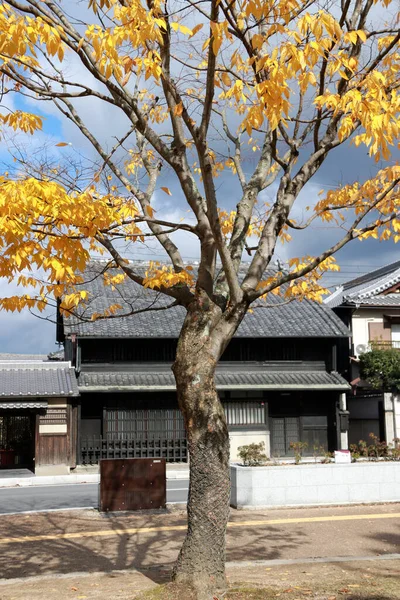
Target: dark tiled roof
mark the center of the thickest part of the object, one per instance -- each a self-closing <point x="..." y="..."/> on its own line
<point x="367" y="290"/>
<point x="37" y="379"/>
<point x="294" y="319"/>
<point x="391" y="300"/>
<point x="239" y="378"/>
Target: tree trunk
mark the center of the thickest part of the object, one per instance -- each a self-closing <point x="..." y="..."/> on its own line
<point x="201" y="562"/>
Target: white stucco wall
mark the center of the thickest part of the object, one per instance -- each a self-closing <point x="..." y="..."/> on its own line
<point x="392" y="416"/>
<point x="397" y="416"/>
<point x="243" y="438"/>
<point x="305" y="485"/>
<point x="360" y="321"/>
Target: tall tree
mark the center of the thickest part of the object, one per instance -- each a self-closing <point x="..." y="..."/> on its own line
<point x="199" y="83"/>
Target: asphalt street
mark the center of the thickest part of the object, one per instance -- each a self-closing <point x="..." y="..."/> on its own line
<point x="81" y="495"/>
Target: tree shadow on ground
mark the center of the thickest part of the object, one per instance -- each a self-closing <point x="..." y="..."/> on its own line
<point x="390" y="539"/>
<point x="52" y="543"/>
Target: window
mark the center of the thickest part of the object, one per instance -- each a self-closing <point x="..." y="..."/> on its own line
<point x="241" y="414"/>
<point x="315" y="433"/>
<point x="395" y="335"/>
<point x="312" y="430"/>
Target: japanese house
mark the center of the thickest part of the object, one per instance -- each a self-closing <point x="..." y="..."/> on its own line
<point x="370" y="306"/>
<point x="278" y="379"/>
<point x="38" y="415"/>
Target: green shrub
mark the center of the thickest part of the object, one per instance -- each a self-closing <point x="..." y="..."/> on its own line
<point x="381" y="368"/>
<point x="252" y="455"/>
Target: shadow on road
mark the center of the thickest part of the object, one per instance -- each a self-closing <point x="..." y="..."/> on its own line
<point x="151" y="552"/>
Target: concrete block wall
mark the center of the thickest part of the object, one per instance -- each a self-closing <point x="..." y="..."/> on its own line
<point x="314" y="484"/>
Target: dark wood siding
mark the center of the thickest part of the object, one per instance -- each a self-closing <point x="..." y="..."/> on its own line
<point x="239" y="349"/>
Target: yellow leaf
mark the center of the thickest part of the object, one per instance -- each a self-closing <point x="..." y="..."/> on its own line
<point x="182" y="28"/>
<point x="166" y="190"/>
<point x="61" y="144"/>
<point x="196" y="29"/>
<point x="149" y="211"/>
<point x="226" y="79"/>
<point x="178" y="110"/>
<point x="126" y="79"/>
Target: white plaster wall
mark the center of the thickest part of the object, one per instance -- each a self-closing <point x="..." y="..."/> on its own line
<point x="396" y="410"/>
<point x="53" y="428"/>
<point x="243" y="438"/>
<point x="360" y="321"/>
<point x="305" y="485"/>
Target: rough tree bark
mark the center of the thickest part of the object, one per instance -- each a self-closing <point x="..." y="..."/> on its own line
<point x="205" y="334"/>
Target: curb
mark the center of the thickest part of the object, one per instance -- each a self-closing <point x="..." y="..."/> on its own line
<point x="69" y="479"/>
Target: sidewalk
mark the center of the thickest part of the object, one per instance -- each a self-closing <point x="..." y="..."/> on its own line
<point x="343" y="553"/>
<point x="90" y="474"/>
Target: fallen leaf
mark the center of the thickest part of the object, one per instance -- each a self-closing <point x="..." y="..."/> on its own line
<point x="353" y="585"/>
<point x="74" y="589"/>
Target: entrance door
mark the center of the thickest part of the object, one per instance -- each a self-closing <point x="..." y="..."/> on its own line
<point x="313" y="430"/>
<point x="17" y="441"/>
<point x="284" y="430"/>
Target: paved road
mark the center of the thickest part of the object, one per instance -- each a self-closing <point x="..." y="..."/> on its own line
<point x="81" y="495"/>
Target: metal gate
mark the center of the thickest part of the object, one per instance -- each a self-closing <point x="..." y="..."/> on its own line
<point x="135" y="433"/>
<point x="16" y="440"/>
<point x="94" y="449"/>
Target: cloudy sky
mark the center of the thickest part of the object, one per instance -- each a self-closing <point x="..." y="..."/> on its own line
<point x="24" y="333"/>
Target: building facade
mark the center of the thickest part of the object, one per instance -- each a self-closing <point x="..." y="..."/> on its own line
<point x="278" y="379"/>
<point x="38" y="416"/>
<point x="370" y="307"/>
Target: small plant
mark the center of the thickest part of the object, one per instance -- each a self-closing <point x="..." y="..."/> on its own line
<point x="298" y="448"/>
<point x="327" y="456"/>
<point x="318" y="451"/>
<point x="363" y="448"/>
<point x="377" y="449"/>
<point x="252" y="455"/>
<point x="355" y="452"/>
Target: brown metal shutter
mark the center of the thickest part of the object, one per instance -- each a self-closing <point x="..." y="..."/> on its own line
<point x="379" y="332"/>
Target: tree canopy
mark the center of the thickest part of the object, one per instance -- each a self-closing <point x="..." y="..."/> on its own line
<point x="381" y="368"/>
<point x="200" y="84"/>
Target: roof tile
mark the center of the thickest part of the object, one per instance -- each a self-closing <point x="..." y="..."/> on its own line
<point x="278" y="319"/>
<point x="37" y="379"/>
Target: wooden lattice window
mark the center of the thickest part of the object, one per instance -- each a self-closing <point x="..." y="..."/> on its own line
<point x="54" y="416"/>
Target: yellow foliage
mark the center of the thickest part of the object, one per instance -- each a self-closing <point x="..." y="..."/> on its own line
<point x="279" y="48"/>
<point x="158" y="276"/>
<point x="23" y="121"/>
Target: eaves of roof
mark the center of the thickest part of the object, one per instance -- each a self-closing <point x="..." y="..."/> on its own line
<point x="37" y="379"/>
<point x="240" y="379"/>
